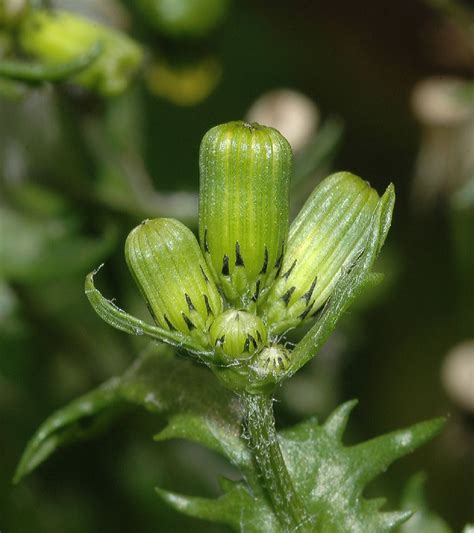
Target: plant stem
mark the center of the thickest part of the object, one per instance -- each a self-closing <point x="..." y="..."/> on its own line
<point x="277" y="482"/>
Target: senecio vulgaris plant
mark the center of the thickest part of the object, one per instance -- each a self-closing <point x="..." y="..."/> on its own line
<point x="227" y="301"/>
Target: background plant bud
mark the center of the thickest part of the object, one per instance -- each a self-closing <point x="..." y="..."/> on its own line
<point x="183" y="84"/>
<point x="290" y="112"/>
<point x="11" y="11"/>
<point x="237" y="335"/>
<point x="184" y="18"/>
<point x="323" y="239"/>
<point x="243" y="210"/>
<point x="164" y="257"/>
<point x="56" y="37"/>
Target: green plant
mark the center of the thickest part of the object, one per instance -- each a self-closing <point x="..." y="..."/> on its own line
<point x="227" y="304"/>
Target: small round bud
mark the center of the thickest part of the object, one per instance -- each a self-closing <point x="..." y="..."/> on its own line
<point x="184" y="18"/>
<point x="324" y="238"/>
<point x="243" y="208"/>
<point x="237" y="335"/>
<point x="271" y="362"/>
<point x="56" y="37"/>
<point x="164" y="257"/>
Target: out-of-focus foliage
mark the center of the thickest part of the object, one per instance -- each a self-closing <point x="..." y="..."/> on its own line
<point x="423" y="520"/>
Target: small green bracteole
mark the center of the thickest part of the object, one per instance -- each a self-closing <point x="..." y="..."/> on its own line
<point x="229" y="299"/>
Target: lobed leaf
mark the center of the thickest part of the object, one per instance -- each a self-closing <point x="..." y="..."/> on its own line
<point x="211" y="433"/>
<point x="237" y="507"/>
<point x="332" y="477"/>
<point x="329" y="477"/>
<point x="82" y="418"/>
<point x="161" y="383"/>
<point x="376" y="455"/>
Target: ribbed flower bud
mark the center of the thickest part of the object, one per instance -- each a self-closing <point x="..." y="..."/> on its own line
<point x="324" y="238"/>
<point x="56" y="37"/>
<point x="243" y="211"/>
<point x="237" y="335"/>
<point x="164" y="257"/>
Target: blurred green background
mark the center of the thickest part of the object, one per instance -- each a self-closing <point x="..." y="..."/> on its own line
<point x="77" y="172"/>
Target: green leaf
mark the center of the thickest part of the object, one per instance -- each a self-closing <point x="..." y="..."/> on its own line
<point x="81" y="419"/>
<point x="329" y="477"/>
<point x="35" y="72"/>
<point x="203" y="411"/>
<point x="347" y="288"/>
<point x="376" y="455"/>
<point x="213" y="433"/>
<point x="332" y="477"/>
<point x="122" y="321"/>
<point x="237" y="507"/>
<point x="423" y="520"/>
<point x="160" y="382"/>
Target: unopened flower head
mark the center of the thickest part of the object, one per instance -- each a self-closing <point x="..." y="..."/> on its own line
<point x="324" y="238"/>
<point x="237" y="335"/>
<point x="243" y="210"/>
<point x="165" y="259"/>
<point x="271" y="362"/>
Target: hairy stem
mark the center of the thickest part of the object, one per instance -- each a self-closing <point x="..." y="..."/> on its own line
<point x="277" y="482"/>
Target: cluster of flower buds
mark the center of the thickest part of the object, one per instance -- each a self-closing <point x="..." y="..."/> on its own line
<point x="252" y="277"/>
<point x="63" y="46"/>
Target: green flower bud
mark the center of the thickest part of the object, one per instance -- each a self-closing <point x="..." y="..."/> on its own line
<point x="164" y="257"/>
<point x="324" y="239"/>
<point x="260" y="374"/>
<point x="237" y="335"/>
<point x="56" y="37"/>
<point x="243" y="210"/>
<point x="184" y="18"/>
<point x="271" y="363"/>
